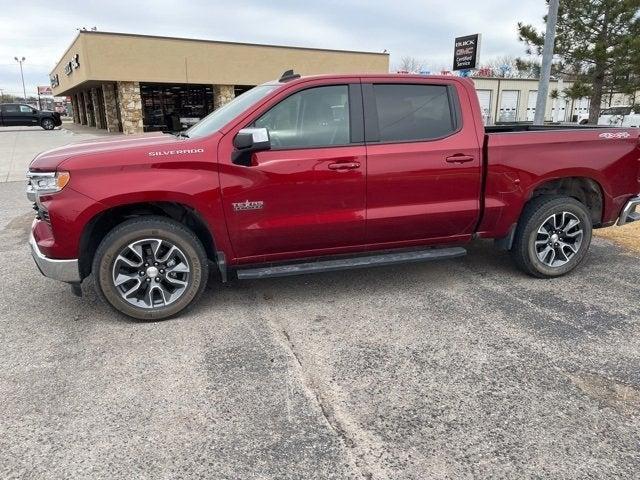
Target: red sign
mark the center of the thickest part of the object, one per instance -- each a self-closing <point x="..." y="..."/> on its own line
<point x="45" y="91"/>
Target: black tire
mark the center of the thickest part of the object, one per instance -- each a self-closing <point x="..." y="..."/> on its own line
<point x="48" y="123"/>
<point x="584" y="122"/>
<point x="536" y="212"/>
<point x="139" y="229"/>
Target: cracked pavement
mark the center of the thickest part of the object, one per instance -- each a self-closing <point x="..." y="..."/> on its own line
<point x="458" y="369"/>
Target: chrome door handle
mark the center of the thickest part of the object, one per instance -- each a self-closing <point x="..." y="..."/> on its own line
<point x="460" y="159"/>
<point x="344" y="166"/>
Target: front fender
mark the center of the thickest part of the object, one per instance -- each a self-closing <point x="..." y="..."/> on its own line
<point x="192" y="184"/>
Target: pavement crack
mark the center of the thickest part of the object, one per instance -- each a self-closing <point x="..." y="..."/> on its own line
<point x="325" y="409"/>
<point x="355" y="452"/>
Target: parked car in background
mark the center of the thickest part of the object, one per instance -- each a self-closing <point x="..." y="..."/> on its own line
<point x="21" y="115"/>
<point x="625" y="116"/>
<point x="324" y="173"/>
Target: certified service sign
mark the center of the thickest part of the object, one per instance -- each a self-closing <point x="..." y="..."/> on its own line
<point x="466" y="53"/>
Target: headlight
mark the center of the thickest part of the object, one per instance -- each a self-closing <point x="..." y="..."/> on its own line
<point x="45" y="183"/>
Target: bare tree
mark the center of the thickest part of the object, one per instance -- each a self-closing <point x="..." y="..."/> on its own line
<point x="411" y="65"/>
<point x="507" y="66"/>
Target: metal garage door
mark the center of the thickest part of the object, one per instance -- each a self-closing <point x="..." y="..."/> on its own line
<point x="509" y="106"/>
<point x="559" y="109"/>
<point x="531" y="105"/>
<point x="581" y="107"/>
<point x="484" y="96"/>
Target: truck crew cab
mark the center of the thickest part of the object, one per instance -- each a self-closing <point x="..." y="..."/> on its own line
<point x="309" y="174"/>
<point x="20" y="115"/>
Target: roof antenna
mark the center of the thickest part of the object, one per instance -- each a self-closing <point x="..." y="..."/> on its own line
<point x="289" y="75"/>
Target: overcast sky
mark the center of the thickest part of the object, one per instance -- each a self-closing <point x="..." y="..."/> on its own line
<point x="42" y="30"/>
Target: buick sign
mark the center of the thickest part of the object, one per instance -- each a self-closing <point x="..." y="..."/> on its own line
<point x="465" y="55"/>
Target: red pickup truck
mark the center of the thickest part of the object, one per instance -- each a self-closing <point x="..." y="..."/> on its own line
<point x="310" y="174"/>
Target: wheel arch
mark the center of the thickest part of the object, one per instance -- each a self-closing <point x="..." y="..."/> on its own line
<point x="584" y="189"/>
<point x="105" y="221"/>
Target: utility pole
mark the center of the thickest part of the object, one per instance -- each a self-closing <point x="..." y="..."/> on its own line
<point x="547" y="58"/>
<point x="24" y="90"/>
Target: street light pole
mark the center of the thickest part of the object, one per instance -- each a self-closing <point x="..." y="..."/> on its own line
<point x="547" y="58"/>
<point x="24" y="90"/>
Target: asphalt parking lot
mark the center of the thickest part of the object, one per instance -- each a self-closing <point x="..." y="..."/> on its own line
<point x="459" y="369"/>
<point x="18" y="145"/>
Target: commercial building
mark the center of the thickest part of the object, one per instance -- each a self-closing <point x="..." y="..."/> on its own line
<point x="514" y="100"/>
<point x="136" y="83"/>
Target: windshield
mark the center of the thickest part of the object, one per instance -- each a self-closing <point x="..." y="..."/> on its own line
<point x="223" y="115"/>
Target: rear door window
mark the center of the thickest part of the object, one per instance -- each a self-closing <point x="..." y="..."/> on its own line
<point x="414" y="112"/>
<point x="10" y="108"/>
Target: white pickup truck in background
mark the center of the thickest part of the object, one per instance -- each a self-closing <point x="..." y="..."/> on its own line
<point x="621" y="116"/>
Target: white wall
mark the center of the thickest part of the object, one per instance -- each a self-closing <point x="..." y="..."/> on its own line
<point x="525" y="88"/>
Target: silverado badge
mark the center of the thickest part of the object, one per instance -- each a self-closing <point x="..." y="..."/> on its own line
<point x="247" y="205"/>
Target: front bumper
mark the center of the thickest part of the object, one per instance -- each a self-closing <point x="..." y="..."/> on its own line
<point x="63" y="270"/>
<point x="629" y="213"/>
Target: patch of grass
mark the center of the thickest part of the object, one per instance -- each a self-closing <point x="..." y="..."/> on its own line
<point x="627" y="236"/>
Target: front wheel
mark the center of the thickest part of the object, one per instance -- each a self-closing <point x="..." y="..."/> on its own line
<point x="150" y="268"/>
<point x="48" y="124"/>
<point x="553" y="236"/>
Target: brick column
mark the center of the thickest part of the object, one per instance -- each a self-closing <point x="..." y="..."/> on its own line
<point x="222" y="94"/>
<point x="110" y="107"/>
<point x="95" y="101"/>
<point x="130" y="107"/>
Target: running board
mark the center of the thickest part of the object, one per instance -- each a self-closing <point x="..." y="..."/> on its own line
<point x="382" y="259"/>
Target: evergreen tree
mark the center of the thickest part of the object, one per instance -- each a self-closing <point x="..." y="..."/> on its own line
<point x="598" y="42"/>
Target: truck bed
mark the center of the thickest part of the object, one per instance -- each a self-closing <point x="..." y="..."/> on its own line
<point x="521" y="157"/>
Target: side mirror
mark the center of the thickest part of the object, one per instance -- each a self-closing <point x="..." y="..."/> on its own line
<point x="247" y="141"/>
<point x="34" y="111"/>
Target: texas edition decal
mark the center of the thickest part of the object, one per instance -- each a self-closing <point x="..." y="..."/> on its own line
<point x="247" y="205"/>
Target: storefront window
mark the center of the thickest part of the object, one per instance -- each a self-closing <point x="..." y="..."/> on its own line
<point x="174" y="107"/>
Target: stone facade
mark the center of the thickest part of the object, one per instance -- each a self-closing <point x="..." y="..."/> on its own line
<point x="75" y="109"/>
<point x="130" y="107"/>
<point x="110" y="107"/>
<point x="95" y="102"/>
<point x="222" y="94"/>
<point x="118" y="108"/>
<point x="91" y="119"/>
<point x="82" y="108"/>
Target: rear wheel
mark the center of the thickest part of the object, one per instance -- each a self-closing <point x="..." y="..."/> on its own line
<point x="553" y="236"/>
<point x="48" y="124"/>
<point x="150" y="268"/>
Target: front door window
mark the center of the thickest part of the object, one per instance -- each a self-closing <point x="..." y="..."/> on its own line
<point x="317" y="117"/>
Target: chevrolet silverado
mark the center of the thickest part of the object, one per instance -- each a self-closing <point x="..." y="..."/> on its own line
<point x="312" y="174"/>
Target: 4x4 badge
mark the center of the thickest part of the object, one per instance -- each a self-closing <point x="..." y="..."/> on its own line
<point x="247" y="205"/>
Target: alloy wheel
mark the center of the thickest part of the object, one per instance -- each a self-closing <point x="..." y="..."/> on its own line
<point x="151" y="273"/>
<point x="559" y="239"/>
